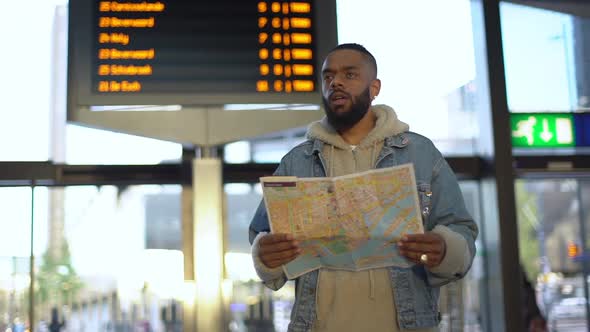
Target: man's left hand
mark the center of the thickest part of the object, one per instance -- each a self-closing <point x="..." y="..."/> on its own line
<point x="415" y="246"/>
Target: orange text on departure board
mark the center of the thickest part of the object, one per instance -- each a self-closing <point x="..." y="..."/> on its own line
<point x="113" y="38"/>
<point x="300" y="22"/>
<point x="116" y="86"/>
<point x="115" y="70"/>
<point x="301" y="54"/>
<point x="114" y="6"/>
<point x="287" y="86"/>
<point x="303" y="85"/>
<point x="285" y="37"/>
<point x="262" y="86"/>
<point x="114" y="22"/>
<point x="301" y="38"/>
<point x="302" y="69"/>
<point x="300" y="7"/>
<point x="113" y="53"/>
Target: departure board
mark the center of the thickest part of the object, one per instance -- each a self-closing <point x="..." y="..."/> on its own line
<point x="197" y="52"/>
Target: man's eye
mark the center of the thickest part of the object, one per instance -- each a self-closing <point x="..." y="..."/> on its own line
<point x="328" y="77"/>
<point x="350" y="75"/>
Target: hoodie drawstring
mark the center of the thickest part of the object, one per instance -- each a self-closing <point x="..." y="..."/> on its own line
<point x="371" y="276"/>
<point x="373" y="161"/>
<point x="372" y="284"/>
<point x="331" y="170"/>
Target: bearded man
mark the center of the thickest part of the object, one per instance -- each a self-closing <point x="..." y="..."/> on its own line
<point x="356" y="136"/>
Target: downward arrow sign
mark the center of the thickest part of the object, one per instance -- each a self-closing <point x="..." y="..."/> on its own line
<point x="546" y="135"/>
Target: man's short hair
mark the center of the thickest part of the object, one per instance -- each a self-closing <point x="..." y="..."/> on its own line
<point x="359" y="48"/>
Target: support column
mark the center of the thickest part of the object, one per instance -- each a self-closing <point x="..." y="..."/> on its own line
<point x="499" y="228"/>
<point x="208" y="241"/>
<point x="189" y="296"/>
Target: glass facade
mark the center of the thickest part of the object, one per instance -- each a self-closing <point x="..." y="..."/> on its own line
<point x="545" y="64"/>
<point x="15" y="264"/>
<point x="105" y="257"/>
<point x="539" y="59"/>
<point x="95" y="147"/>
<point x="553" y="235"/>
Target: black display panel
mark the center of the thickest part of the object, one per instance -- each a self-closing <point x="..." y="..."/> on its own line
<point x="197" y="52"/>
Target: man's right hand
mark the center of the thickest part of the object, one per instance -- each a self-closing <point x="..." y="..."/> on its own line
<point x="275" y="250"/>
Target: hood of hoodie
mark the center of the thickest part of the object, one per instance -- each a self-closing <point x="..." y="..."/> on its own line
<point x="387" y="125"/>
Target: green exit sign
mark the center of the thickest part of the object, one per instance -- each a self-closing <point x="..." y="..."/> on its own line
<point x="542" y="130"/>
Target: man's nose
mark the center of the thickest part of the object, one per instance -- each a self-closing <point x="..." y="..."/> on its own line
<point x="336" y="81"/>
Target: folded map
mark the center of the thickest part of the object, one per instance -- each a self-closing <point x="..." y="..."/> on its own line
<point x="350" y="222"/>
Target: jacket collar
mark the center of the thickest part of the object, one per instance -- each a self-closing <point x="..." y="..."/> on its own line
<point x="316" y="147"/>
<point x="397" y="141"/>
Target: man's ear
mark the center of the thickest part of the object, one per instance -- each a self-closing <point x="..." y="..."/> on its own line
<point x="375" y="87"/>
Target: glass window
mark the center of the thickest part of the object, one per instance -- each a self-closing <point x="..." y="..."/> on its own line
<point x="237" y="152"/>
<point x="15" y="250"/>
<point x="92" y="146"/>
<point x="264" y="149"/>
<point x="473" y="283"/>
<point x="461" y="302"/>
<point x="268" y="151"/>
<point x="109" y="258"/>
<point x="426" y="62"/>
<point x="553" y="247"/>
<point x="252" y="304"/>
<point x="26" y="85"/>
<point x="540" y="61"/>
<point x="241" y="202"/>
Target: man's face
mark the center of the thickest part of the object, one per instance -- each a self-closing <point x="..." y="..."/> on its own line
<point x="347" y="84"/>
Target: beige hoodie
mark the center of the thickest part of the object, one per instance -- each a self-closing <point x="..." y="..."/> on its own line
<point x="341" y="157"/>
<point x="355" y="301"/>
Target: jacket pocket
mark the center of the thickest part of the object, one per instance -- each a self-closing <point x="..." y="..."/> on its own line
<point x="425" y="197"/>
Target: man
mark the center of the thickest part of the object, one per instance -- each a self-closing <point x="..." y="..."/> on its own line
<point x="354" y="137"/>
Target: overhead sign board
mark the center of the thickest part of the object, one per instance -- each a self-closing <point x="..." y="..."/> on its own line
<point x="194" y="57"/>
<point x="196" y="52"/>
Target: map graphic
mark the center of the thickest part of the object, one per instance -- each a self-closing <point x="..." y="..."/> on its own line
<point x="350" y="222"/>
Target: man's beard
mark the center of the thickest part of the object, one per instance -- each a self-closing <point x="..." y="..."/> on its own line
<point x="346" y="120"/>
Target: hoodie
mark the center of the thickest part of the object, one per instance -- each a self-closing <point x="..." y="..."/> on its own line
<point x="343" y="158"/>
<point x="363" y="300"/>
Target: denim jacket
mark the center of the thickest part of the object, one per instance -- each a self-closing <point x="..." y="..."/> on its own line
<point x="415" y="289"/>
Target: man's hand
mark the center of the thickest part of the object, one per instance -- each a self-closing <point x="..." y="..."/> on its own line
<point x="277" y="249"/>
<point x="414" y="246"/>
